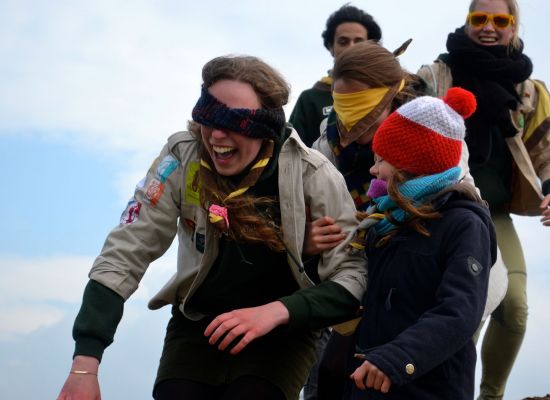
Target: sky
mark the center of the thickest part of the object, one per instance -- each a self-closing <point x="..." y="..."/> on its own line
<point x="89" y="92"/>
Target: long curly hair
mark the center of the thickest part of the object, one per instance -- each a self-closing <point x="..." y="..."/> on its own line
<point x="252" y="219"/>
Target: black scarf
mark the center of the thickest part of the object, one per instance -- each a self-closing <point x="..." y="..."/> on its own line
<point x="491" y="73"/>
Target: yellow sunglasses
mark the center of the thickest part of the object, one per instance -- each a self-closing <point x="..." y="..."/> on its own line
<point x="479" y="18"/>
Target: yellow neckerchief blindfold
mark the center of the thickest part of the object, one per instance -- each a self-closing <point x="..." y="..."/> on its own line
<point x="352" y="107"/>
<point x="326" y="79"/>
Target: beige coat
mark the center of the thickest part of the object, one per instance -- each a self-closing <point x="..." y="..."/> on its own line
<point x="306" y="178"/>
<point x="530" y="147"/>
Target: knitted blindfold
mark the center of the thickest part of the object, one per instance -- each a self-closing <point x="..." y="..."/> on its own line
<point x="259" y="123"/>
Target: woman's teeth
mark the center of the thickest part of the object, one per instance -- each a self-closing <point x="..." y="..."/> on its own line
<point x="222" y="152"/>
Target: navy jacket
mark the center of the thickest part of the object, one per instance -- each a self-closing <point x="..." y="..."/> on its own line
<point x="424" y="301"/>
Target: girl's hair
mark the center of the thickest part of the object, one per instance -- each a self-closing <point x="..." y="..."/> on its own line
<point x="373" y="65"/>
<point x="246" y="222"/>
<point x="416" y="214"/>
<point x="513" y="8"/>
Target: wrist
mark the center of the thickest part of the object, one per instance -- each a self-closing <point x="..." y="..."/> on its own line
<point x="85" y="365"/>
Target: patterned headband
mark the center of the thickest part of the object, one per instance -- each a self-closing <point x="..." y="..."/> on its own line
<point x="259" y="123"/>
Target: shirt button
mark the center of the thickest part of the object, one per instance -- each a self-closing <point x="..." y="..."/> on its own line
<point x="409" y="368"/>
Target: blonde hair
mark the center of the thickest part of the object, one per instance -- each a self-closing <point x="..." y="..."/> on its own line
<point x="513" y="8"/>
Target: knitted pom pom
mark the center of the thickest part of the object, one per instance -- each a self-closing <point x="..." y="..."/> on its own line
<point x="461" y="100"/>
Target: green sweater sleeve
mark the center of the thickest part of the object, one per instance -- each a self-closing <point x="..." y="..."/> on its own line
<point x="95" y="325"/>
<point x="328" y="303"/>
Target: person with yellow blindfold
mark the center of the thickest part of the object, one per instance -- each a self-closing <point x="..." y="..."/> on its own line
<point x="344" y="28"/>
<point x="369" y="83"/>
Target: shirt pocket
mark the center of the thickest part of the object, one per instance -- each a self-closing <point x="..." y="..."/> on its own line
<point x="193" y="226"/>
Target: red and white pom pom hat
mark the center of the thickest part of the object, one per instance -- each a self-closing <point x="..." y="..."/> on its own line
<point x="424" y="136"/>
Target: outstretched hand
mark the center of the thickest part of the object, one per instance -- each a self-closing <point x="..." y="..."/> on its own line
<point x="245" y="325"/>
<point x="545" y="207"/>
<point x="369" y="376"/>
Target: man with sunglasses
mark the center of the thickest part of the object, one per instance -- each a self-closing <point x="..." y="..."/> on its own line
<point x="344" y="28"/>
<point x="508" y="140"/>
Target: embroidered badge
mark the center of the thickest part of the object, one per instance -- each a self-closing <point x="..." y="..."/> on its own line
<point x="200" y="242"/>
<point x="131" y="213"/>
<point x="166" y="167"/>
<point x="327" y="110"/>
<point x="190" y="223"/>
<point x="154" y="192"/>
<point x="192" y="191"/>
<point x="521" y="121"/>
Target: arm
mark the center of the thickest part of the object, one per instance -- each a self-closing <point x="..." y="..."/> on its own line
<point x="437" y="76"/>
<point x="537" y="142"/>
<point x="327" y="195"/>
<point x="145" y="232"/>
<point x="321" y="234"/>
<point x="334" y="300"/>
<point x="316" y="307"/>
<point x="93" y="331"/>
<point x="135" y="243"/>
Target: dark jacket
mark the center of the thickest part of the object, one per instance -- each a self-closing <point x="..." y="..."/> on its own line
<point x="424" y="301"/>
<point x="312" y="107"/>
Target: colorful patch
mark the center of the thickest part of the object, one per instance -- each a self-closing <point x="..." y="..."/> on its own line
<point x="190" y="223"/>
<point x="131" y="213"/>
<point x="200" y="242"/>
<point x="154" y="191"/>
<point x="166" y="167"/>
<point x="192" y="192"/>
<point x="521" y="121"/>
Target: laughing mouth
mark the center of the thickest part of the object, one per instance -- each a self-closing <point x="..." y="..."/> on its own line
<point x="488" y="39"/>
<point x="223" y="152"/>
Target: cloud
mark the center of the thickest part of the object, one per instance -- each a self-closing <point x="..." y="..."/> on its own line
<point x="39" y="293"/>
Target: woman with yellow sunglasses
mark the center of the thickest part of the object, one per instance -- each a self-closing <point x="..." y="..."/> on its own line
<point x="508" y="140"/>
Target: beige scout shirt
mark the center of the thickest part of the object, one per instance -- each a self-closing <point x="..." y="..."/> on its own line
<point x="169" y="205"/>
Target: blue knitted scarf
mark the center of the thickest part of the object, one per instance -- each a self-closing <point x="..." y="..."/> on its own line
<point x="417" y="190"/>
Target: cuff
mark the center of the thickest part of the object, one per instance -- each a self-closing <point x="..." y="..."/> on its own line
<point x="298" y="310"/>
<point x="89" y="346"/>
